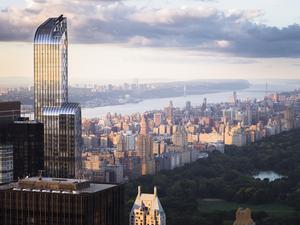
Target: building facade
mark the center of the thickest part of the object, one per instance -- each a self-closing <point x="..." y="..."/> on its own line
<point x="6" y="163"/>
<point x="9" y="112"/>
<point x="27" y="138"/>
<point x="62" y="120"/>
<point x="147" y="210"/>
<point x="62" y="142"/>
<point x="45" y="201"/>
<point x="50" y="65"/>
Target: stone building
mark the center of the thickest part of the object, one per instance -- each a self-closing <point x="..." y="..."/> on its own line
<point x="147" y="210"/>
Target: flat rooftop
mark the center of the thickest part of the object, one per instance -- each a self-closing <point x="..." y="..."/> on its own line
<point x="56" y="185"/>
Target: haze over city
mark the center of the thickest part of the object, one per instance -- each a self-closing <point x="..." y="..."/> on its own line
<point x="149" y="112"/>
<point x="159" y="40"/>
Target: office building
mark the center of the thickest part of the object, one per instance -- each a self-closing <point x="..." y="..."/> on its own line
<point x="6" y="164"/>
<point x="45" y="201"/>
<point x="27" y="138"/>
<point x="9" y="112"/>
<point x="62" y="140"/>
<point x="62" y="120"/>
<point x="147" y="209"/>
<point x="50" y="65"/>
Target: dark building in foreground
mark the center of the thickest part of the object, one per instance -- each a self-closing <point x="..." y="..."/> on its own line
<point x="27" y="138"/>
<point x="6" y="164"/>
<point x="43" y="201"/>
<point x="9" y="112"/>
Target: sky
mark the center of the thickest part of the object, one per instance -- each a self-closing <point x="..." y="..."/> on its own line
<point x="116" y="41"/>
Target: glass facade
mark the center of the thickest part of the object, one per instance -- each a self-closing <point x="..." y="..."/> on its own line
<point x="9" y="112"/>
<point x="62" y="143"/>
<point x="50" y="65"/>
<point x="6" y="163"/>
<point x="27" y="138"/>
<point x="62" y="120"/>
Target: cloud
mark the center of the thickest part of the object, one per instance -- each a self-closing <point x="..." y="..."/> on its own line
<point x="200" y="28"/>
<point x="140" y="40"/>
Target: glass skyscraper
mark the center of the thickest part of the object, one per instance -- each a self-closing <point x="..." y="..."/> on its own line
<point x="62" y="120"/>
<point x="50" y="65"/>
<point x="62" y="140"/>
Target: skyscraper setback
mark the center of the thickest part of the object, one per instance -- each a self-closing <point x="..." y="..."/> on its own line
<point x="62" y="120"/>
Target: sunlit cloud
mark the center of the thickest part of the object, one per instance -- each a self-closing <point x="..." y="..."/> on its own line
<point x="202" y="28"/>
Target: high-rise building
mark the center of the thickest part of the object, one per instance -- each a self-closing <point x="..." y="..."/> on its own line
<point x="6" y="164"/>
<point x="144" y="147"/>
<point x="179" y="138"/>
<point x="50" y="65"/>
<point x="27" y="138"/>
<point x="169" y="113"/>
<point x="62" y="120"/>
<point x="62" y="140"/>
<point x="157" y="119"/>
<point x="234" y="97"/>
<point x="147" y="209"/>
<point x="288" y="118"/>
<point x="144" y="125"/>
<point x="48" y="201"/>
<point x="9" y="112"/>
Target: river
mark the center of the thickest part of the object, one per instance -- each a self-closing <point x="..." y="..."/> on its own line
<point x="257" y="90"/>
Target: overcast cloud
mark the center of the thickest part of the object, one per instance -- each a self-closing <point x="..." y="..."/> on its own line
<point x="197" y="28"/>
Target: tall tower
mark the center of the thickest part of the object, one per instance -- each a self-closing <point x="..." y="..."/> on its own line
<point x="144" y="148"/>
<point x="50" y="65"/>
<point x="62" y="120"/>
<point x="234" y="97"/>
<point x="144" y="125"/>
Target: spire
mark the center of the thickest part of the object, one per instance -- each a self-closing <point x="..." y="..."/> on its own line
<point x="139" y="191"/>
<point x="155" y="191"/>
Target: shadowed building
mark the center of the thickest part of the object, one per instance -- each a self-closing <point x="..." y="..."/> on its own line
<point x="48" y="201"/>
<point x="9" y="112"/>
<point x="6" y="164"/>
<point x="27" y="138"/>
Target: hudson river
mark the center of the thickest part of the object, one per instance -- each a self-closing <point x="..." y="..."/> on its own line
<point x="257" y="90"/>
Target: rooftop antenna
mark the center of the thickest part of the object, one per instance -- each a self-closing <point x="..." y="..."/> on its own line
<point x="139" y="191"/>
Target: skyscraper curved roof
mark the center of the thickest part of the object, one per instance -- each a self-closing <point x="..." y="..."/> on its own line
<point x="51" y="31"/>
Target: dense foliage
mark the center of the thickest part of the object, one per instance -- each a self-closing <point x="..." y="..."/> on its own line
<point x="229" y="177"/>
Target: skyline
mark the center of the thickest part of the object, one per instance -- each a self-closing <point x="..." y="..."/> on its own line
<point x="153" y="40"/>
<point x="223" y="136"/>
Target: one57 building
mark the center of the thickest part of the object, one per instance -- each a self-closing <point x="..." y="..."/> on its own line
<point x="62" y="120"/>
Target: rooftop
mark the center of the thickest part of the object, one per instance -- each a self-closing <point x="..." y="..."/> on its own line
<point x="56" y="185"/>
<point x="51" y="31"/>
<point x="65" y="109"/>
